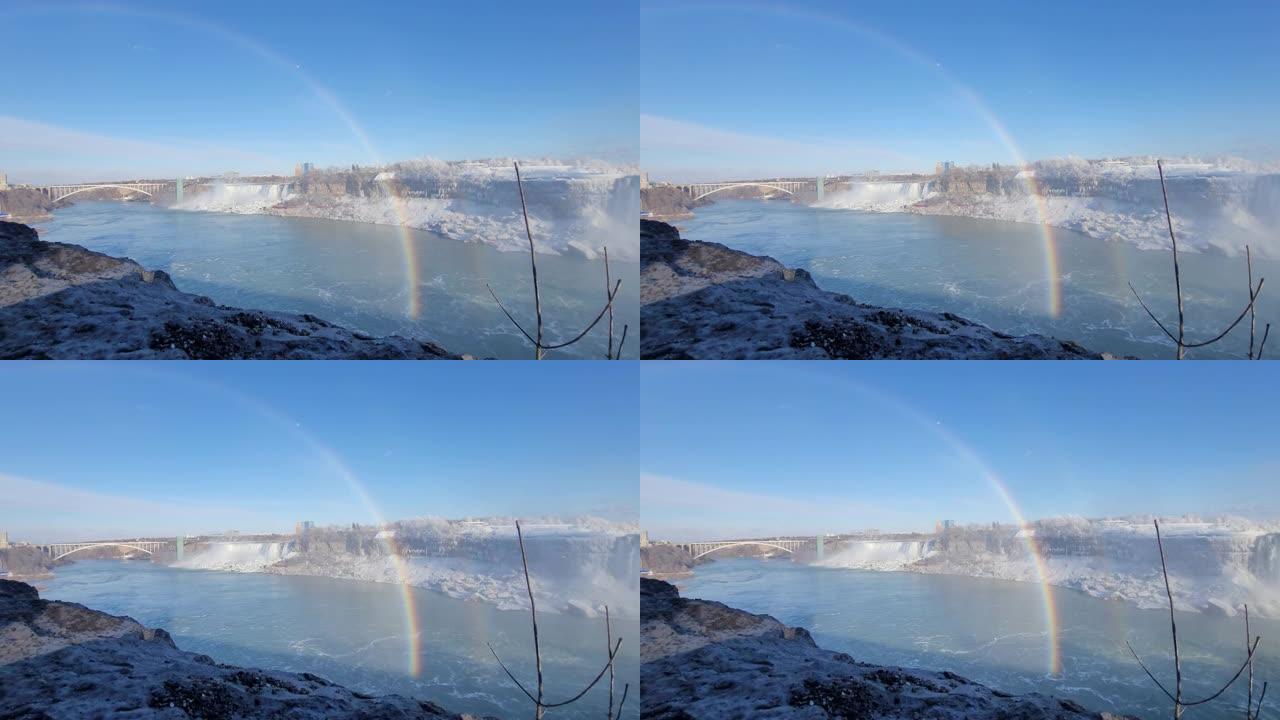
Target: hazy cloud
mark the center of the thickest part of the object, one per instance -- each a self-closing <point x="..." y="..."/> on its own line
<point x="679" y="150"/>
<point x="38" y="511"/>
<point x="38" y="152"/>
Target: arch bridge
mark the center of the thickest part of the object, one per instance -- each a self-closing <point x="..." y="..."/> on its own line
<point x="150" y="189"/>
<point x="57" y="551"/>
<point x="697" y="191"/>
<point x="789" y="545"/>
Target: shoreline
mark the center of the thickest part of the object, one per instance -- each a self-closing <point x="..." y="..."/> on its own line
<point x="707" y="659"/>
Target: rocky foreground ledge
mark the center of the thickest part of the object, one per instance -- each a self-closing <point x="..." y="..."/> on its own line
<point x="62" y="301"/>
<point x="705" y="301"/>
<point x="63" y="660"/>
<point x="704" y="660"/>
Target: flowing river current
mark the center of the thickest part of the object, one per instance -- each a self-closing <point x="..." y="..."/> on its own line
<point x="995" y="632"/>
<point x="994" y="272"/>
<point x="354" y="274"/>
<point x="354" y="633"/>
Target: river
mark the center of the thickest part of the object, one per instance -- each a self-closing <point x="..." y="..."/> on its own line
<point x="355" y="274"/>
<point x="994" y="272"/>
<point x="353" y="633"/>
<point x="994" y="631"/>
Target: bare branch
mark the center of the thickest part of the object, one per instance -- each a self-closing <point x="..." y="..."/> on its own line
<point x="1232" y="325"/>
<point x="624" y="340"/>
<point x="533" y="263"/>
<point x="1248" y="706"/>
<point x="1177" y="276"/>
<point x="1144" y="668"/>
<point x="608" y="354"/>
<point x="1144" y="307"/>
<point x="1235" y="677"/>
<point x="592" y="684"/>
<point x="513" y="677"/>
<point x="1177" y="660"/>
<point x="608" y="634"/>
<point x="1253" y="321"/>
<point x="587" y="329"/>
<point x="627" y="687"/>
<point x="1265" y="333"/>
<point x="1258" y="713"/>
<point x="513" y="320"/>
<point x="533" y="613"/>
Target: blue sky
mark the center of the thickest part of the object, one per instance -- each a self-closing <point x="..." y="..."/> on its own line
<point x="127" y="89"/>
<point x="749" y="449"/>
<point x="105" y="449"/>
<point x="751" y="89"/>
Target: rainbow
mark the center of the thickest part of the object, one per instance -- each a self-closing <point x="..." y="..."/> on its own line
<point x="1049" y="243"/>
<point x="412" y="278"/>
<point x="1052" y="620"/>
<point x="412" y="628"/>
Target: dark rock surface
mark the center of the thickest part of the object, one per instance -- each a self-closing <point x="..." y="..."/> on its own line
<point x="705" y="660"/>
<point x="65" y="302"/>
<point x="707" y="301"/>
<point x="63" y="660"/>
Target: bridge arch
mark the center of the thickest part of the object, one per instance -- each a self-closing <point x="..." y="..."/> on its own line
<point x="101" y="545"/>
<point x="744" y="542"/>
<point x="741" y="185"/>
<point x="101" y="187"/>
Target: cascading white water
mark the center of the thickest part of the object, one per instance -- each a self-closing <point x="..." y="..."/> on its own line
<point x="224" y="197"/>
<point x="882" y="196"/>
<point x="878" y="555"/>
<point x="238" y="556"/>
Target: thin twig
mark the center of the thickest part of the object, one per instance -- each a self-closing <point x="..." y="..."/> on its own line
<point x="624" y="340"/>
<point x="1177" y="276"/>
<point x="1265" y="333"/>
<point x="627" y="687"/>
<point x="533" y="612"/>
<point x="608" y="634"/>
<point x="1235" y="677"/>
<point x="608" y="354"/>
<point x="1144" y="667"/>
<point x="1248" y="706"/>
<point x="1263" y="696"/>
<point x="1253" y="321"/>
<point x="1173" y="624"/>
<point x="533" y="263"/>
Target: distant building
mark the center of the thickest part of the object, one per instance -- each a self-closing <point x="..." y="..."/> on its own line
<point x="303" y="527"/>
<point x="644" y="180"/>
<point x="4" y="181"/>
<point x="944" y="168"/>
<point x="4" y="540"/>
<point x="644" y="538"/>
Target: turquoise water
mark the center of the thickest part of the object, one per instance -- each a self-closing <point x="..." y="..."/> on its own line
<point x="354" y="274"/>
<point x="354" y="633"/>
<point x="995" y="632"/>
<point x="994" y="272"/>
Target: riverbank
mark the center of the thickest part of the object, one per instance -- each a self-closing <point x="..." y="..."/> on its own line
<point x="702" y="300"/>
<point x="61" y="659"/>
<point x="61" y="301"/>
<point x="705" y="659"/>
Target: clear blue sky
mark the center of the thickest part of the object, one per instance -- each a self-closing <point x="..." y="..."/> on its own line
<point x="756" y="89"/>
<point x="93" y="449"/>
<point x="160" y="88"/>
<point x="750" y="449"/>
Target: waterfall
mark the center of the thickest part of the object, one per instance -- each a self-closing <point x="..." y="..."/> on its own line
<point x="879" y="555"/>
<point x="882" y="196"/>
<point x="239" y="556"/>
<point x="1264" y="561"/>
<point x="224" y="197"/>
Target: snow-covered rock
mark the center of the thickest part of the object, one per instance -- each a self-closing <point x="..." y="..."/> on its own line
<point x="63" y="660"/>
<point x="705" y="659"/>
<point x="62" y="301"/>
<point x="706" y="301"/>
